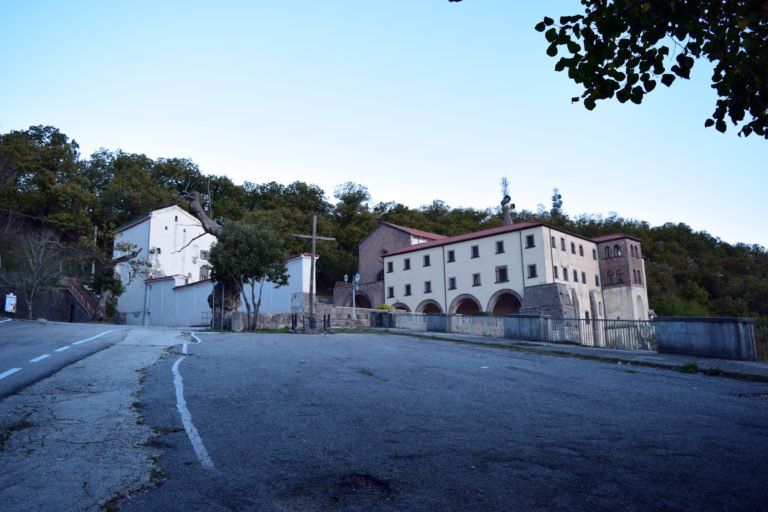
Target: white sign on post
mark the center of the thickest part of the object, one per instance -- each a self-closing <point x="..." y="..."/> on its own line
<point x="10" y="303"/>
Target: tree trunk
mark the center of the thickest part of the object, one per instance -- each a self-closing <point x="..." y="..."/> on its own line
<point x="231" y="304"/>
<point x="105" y="297"/>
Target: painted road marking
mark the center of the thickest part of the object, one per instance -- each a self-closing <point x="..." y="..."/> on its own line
<point x="94" y="337"/>
<point x="62" y="349"/>
<point x="6" y="320"/>
<point x="39" y="358"/>
<point x="9" y="373"/>
<point x="186" y="419"/>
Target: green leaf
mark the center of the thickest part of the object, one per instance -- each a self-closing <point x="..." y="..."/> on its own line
<point x="709" y="122"/>
<point x="573" y="47"/>
<point x="720" y="126"/>
<point x="589" y="103"/>
<point x="548" y="21"/>
<point x="540" y="27"/>
<point x="649" y="85"/>
<point x="552" y="50"/>
<point x="667" y="79"/>
<point x="551" y="35"/>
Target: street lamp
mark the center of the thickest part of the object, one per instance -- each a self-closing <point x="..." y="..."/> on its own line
<point x="355" y="286"/>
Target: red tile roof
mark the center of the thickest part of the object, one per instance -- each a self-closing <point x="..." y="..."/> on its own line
<point x="416" y="232"/>
<point x="466" y="236"/>
<point x="614" y="236"/>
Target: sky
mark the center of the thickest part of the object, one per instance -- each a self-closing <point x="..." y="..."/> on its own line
<point x="417" y="100"/>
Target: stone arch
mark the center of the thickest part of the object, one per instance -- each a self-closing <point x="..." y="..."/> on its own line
<point x="505" y="302"/>
<point x="362" y="301"/>
<point x="465" y="304"/>
<point x="429" y="306"/>
<point x="401" y="307"/>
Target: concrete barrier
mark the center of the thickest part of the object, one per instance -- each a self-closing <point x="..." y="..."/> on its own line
<point x="523" y="327"/>
<point x="724" y="338"/>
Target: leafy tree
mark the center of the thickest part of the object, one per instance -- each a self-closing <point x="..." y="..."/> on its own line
<point x="621" y="48"/>
<point x="249" y="254"/>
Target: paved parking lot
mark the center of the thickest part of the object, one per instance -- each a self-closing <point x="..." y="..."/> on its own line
<point x="382" y="422"/>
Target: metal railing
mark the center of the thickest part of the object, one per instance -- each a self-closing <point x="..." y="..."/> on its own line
<point x="84" y="298"/>
<point x="411" y="321"/>
<point x="621" y="334"/>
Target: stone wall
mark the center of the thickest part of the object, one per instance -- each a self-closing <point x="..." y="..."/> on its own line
<point x="553" y="299"/>
<point x="724" y="338"/>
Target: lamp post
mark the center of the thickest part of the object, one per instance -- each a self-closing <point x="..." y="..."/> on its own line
<point x="355" y="285"/>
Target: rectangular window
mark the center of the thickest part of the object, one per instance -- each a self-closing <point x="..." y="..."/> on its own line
<point x="554" y="243"/>
<point x="530" y="241"/>
<point x="451" y="283"/>
<point x="407" y="264"/>
<point x="499" y="246"/>
<point x="475" y="279"/>
<point x="594" y="254"/>
<point x="205" y="255"/>
<point x="532" y="271"/>
<point x="562" y="243"/>
<point x="451" y="256"/>
<point x="426" y="260"/>
<point x="584" y="277"/>
<point x="475" y="251"/>
<point x="427" y="286"/>
<point x="501" y="274"/>
<point x="205" y="272"/>
<point x="575" y="276"/>
<point x="581" y="250"/>
<point x="390" y="292"/>
<point x="556" y="273"/>
<point x="573" y="248"/>
<point x="565" y="273"/>
<point x="407" y="290"/>
<point x="597" y="281"/>
<point x="390" y="267"/>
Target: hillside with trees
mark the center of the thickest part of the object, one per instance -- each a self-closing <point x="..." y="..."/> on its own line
<point x="70" y="205"/>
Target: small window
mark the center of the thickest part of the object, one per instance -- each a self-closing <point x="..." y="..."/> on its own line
<point x="390" y="292"/>
<point x="451" y="256"/>
<point x="610" y="277"/>
<point x="639" y="277"/>
<point x="575" y="276"/>
<point x="451" y="283"/>
<point x="205" y="272"/>
<point x="159" y="250"/>
<point x="499" y="247"/>
<point x="427" y="262"/>
<point x="205" y="255"/>
<point x="594" y="254"/>
<point x="565" y="273"/>
<point x="475" y="279"/>
<point x="573" y="248"/>
<point x="407" y="264"/>
<point x="390" y="267"/>
<point x="530" y="241"/>
<point x="562" y="243"/>
<point x="607" y="252"/>
<point x="176" y="218"/>
<point x="619" y="277"/>
<point x="597" y="281"/>
<point x="616" y="251"/>
<point x="554" y="243"/>
<point x="475" y="251"/>
<point x="532" y="271"/>
<point x="380" y="276"/>
<point x="557" y="276"/>
<point x="501" y="274"/>
<point x="427" y="286"/>
<point x="581" y="250"/>
<point x="586" y="316"/>
<point x="584" y="278"/>
<point x="407" y="290"/>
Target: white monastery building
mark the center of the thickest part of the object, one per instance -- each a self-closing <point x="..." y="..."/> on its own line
<point x="524" y="268"/>
<point x="174" y="291"/>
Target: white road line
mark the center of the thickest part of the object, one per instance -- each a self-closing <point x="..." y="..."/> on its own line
<point x="198" y="340"/>
<point x="186" y="419"/>
<point x="9" y="373"/>
<point x="94" y="337"/>
<point x="39" y="358"/>
<point x="184" y="348"/>
<point x="6" y="320"/>
<point x="62" y="349"/>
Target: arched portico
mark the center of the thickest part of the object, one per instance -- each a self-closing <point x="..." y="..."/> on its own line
<point x="401" y="307"/>
<point x="504" y="302"/>
<point x="465" y="304"/>
<point x="362" y="301"/>
<point x="429" y="306"/>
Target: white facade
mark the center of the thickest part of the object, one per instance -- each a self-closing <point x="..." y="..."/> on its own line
<point x="175" y="289"/>
<point x="497" y="270"/>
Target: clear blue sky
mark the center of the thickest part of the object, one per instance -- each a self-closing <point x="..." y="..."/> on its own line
<point x="415" y="99"/>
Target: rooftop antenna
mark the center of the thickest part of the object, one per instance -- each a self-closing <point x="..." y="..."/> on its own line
<point x="506" y="204"/>
<point x="557" y="202"/>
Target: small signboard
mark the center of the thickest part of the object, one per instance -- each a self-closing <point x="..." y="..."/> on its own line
<point x="10" y="303"/>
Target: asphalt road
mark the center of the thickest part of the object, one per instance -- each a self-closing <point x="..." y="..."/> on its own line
<point x="379" y="422"/>
<point x="32" y="351"/>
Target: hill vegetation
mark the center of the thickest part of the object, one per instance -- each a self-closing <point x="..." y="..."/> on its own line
<point x="47" y="186"/>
